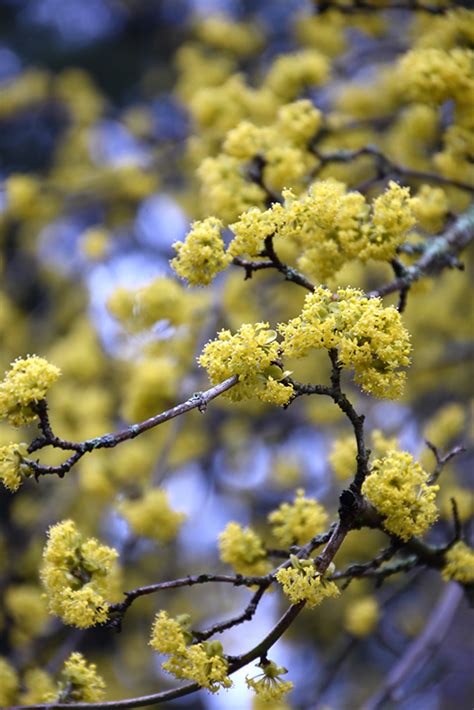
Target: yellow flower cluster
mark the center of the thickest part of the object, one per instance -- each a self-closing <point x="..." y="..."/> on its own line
<point x="152" y="516"/>
<point x="268" y="685"/>
<point x="362" y="616"/>
<point x="24" y="384"/>
<point x="369" y="338"/>
<point x="430" y="206"/>
<point x="251" y="354"/>
<point x="253" y="227"/>
<point x="77" y="575"/>
<point x="335" y="226"/>
<point x="243" y="549"/>
<point x="202" y="255"/>
<point x="168" y="635"/>
<point x="204" y="663"/>
<point x="297" y="523"/>
<point x="80" y="681"/>
<point x="12" y="468"/>
<point x="398" y="488"/>
<point x="282" y="148"/>
<point x="198" y="68"/>
<point x="330" y="226"/>
<point x="302" y="582"/>
<point x="459" y="564"/>
<point x="435" y="75"/>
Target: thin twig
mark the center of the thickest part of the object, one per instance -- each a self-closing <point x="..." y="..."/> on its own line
<point x="385" y="166"/>
<point x="199" y="400"/>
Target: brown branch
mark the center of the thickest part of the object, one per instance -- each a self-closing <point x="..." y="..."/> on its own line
<point x="120" y="608"/>
<point x="246" y="615"/>
<point x="199" y="400"/>
<point x="441" y="461"/>
<point x="366" y="569"/>
<point x="356" y="420"/>
<point x="385" y="167"/>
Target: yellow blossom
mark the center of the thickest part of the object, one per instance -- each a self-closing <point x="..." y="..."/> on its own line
<point x="12" y="468"/>
<point x="243" y="549"/>
<point x="434" y="75"/>
<point x="225" y="190"/>
<point x="23" y="195"/>
<point x="392" y="217"/>
<point x="246" y="140"/>
<point x="304" y="583"/>
<point x="200" y="258"/>
<point x="297" y="523"/>
<point x="330" y="225"/>
<point x="459" y="564"/>
<point x="251" y="354"/>
<point x="252" y="228"/>
<point x="268" y="685"/>
<point x="25" y="384"/>
<point x="369" y="338"/>
<point x="203" y="663"/>
<point x="80" y="681"/>
<point x="77" y="575"/>
<point x="169" y="635"/>
<point x="299" y="121"/>
<point x="398" y="488"/>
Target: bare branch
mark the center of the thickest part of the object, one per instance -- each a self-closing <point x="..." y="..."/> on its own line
<point x="386" y="167"/>
<point x="199" y="400"/>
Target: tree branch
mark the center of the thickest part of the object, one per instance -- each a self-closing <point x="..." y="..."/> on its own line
<point x="440" y="252"/>
<point x="199" y="400"/>
<point x="385" y="167"/>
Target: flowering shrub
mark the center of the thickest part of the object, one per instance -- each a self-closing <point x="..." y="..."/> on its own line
<point x="250" y="285"/>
